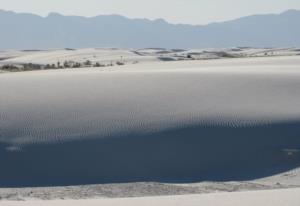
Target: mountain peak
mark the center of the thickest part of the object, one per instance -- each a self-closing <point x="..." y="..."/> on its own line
<point x="162" y="21"/>
<point x="54" y="15"/>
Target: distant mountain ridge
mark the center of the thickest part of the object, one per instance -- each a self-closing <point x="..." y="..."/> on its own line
<point x="29" y="31"/>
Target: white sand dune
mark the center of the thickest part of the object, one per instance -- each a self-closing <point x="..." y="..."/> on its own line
<point x="287" y="197"/>
<point x="236" y="119"/>
<point x="104" y="56"/>
<point x="130" y="56"/>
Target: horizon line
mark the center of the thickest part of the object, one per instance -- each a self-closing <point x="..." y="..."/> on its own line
<point x="141" y="18"/>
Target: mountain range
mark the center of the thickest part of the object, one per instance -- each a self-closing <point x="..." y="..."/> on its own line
<point x="29" y="31"/>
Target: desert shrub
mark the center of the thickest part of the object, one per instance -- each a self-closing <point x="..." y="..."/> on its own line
<point x="97" y="64"/>
<point x="67" y="64"/>
<point x="10" y="68"/>
<point x="23" y="67"/>
<point x="76" y="65"/>
<point x="50" y="66"/>
<point x="31" y="66"/>
<point x="87" y="63"/>
<point x="47" y="66"/>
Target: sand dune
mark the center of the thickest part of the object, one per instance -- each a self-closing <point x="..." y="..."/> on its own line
<point x="236" y="119"/>
<point x="129" y="56"/>
<point x="104" y="56"/>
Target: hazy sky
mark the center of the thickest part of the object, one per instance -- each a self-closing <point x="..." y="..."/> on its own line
<point x="175" y="11"/>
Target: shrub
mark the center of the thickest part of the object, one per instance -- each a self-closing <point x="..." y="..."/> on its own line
<point x="97" y="64"/>
<point x="76" y="65"/>
<point x="87" y="63"/>
<point x="31" y="66"/>
<point x="10" y="68"/>
<point x="66" y="64"/>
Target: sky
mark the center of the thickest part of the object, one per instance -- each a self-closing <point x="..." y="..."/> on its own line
<point x="174" y="11"/>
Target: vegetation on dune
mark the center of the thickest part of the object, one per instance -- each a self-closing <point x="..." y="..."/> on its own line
<point x="9" y="68"/>
<point x="163" y="56"/>
<point x="97" y="64"/>
<point x="58" y="65"/>
<point x="87" y="63"/>
<point x="22" y="67"/>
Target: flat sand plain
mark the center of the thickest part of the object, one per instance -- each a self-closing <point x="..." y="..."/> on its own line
<point x="286" y="197"/>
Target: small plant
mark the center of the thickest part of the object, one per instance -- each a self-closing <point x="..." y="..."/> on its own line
<point x="48" y="66"/>
<point x="31" y="66"/>
<point x="87" y="63"/>
<point x="76" y="65"/>
<point x="67" y="64"/>
<point x="97" y="64"/>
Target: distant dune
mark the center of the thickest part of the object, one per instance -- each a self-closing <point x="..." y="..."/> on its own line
<point x="232" y="119"/>
<point x="108" y="56"/>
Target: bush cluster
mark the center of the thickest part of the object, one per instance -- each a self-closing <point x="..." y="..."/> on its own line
<point x="58" y="65"/>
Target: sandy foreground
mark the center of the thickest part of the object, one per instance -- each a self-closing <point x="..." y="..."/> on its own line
<point x="284" y="197"/>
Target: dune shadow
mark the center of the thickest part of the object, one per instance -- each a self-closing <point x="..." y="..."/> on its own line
<point x="199" y="153"/>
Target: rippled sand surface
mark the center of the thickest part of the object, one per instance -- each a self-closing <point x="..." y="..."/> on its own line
<point x="178" y="121"/>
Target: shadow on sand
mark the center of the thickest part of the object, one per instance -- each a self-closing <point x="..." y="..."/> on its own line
<point x="183" y="155"/>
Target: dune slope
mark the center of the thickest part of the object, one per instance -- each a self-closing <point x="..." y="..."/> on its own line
<point x="190" y="121"/>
